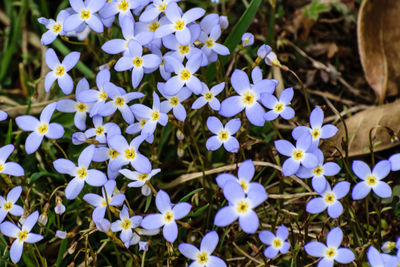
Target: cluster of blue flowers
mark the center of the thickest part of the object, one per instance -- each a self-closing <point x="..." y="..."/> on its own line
<point x="175" y="44"/>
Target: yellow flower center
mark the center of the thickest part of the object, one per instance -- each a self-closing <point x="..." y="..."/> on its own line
<point x="22" y="235"/>
<point x="209" y="43"/>
<point x="243" y="184"/>
<point x="174" y="101"/>
<point x="330" y="198"/>
<point x="103" y="95"/>
<point x="185" y="75"/>
<point x="137" y="62"/>
<point x="112" y="153"/>
<point x="202" y="258"/>
<point x="7" y="206"/>
<point x="242" y="207"/>
<point x="43" y="128"/>
<point x="142" y="123"/>
<point x="371" y="180"/>
<point x="85" y="14"/>
<point x="277" y="243"/>
<point x="298" y="154"/>
<point x="155" y="115"/>
<point x="130" y="153"/>
<point x="391" y="245"/>
<point x="278" y="108"/>
<point x="104" y="202"/>
<point x="99" y="130"/>
<point x="179" y="25"/>
<point x="246" y="41"/>
<point x="184" y="49"/>
<point x="162" y="7"/>
<point x="1" y="167"/>
<point x="60" y="71"/>
<point x="143" y="176"/>
<point x="119" y="101"/>
<point x="248" y="98"/>
<point x="123" y="5"/>
<point x="126" y="224"/>
<point x="208" y="96"/>
<point x="154" y="26"/>
<point x="57" y="27"/>
<point x="81" y="107"/>
<point x="81" y="173"/>
<point x="223" y="135"/>
<point x="330" y="253"/>
<point x="316" y="133"/>
<point x="168" y="216"/>
<point x="318" y="171"/>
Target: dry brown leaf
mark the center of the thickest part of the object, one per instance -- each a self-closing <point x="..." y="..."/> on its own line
<point x="381" y="118"/>
<point x="378" y="35"/>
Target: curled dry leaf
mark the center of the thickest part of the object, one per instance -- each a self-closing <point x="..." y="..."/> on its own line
<point x="378" y="36"/>
<point x="385" y="122"/>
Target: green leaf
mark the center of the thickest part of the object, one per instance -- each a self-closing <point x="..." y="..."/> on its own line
<point x="315" y="8"/>
<point x="61" y="251"/>
<point x="148" y="201"/>
<point x="235" y="36"/>
<point x="9" y="133"/>
<point x="37" y="175"/>
<point x="185" y="198"/>
<point x="200" y="210"/>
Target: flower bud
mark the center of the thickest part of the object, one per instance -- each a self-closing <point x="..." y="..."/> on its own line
<point x="272" y="60"/>
<point x="180" y="135"/>
<point x="78" y="138"/>
<point x="263" y="51"/>
<point x="247" y="39"/>
<point x="43" y="218"/>
<point x="223" y="21"/>
<point x="143" y="245"/>
<point x="61" y="234"/>
<point x="388" y="246"/>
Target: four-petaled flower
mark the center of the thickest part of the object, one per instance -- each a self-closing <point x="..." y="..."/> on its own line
<point x="168" y="216"/>
<point x="329" y="200"/>
<point x="223" y="134"/>
<point x="278" y="107"/>
<point x="240" y="207"/>
<point x="81" y="173"/>
<point x="139" y="179"/>
<point x="59" y="70"/>
<point x="22" y="235"/>
<point x="10" y="168"/>
<point x="85" y="14"/>
<point x="39" y="128"/>
<point x="276" y="242"/>
<point x="125" y="225"/>
<point x="202" y="257"/>
<point x="371" y="180"/>
<point x="330" y="252"/>
<point x="209" y="96"/>
<point x="7" y="205"/>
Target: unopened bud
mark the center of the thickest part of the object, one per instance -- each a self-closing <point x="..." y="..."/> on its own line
<point x="388" y="246"/>
<point x="223" y="21"/>
<point x="59" y="208"/>
<point x="263" y="51"/>
<point x="180" y="151"/>
<point x="180" y="135"/>
<point x="78" y="138"/>
<point x="272" y="60"/>
<point x="143" y="245"/>
<point x="61" y="234"/>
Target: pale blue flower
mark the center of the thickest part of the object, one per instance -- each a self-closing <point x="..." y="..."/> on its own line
<point x="121" y="7"/>
<point x="277" y="243"/>
<point x="10" y="168"/>
<point x="263" y="51"/>
<point x="154" y="9"/>
<point x="167" y="217"/>
<point x="179" y="22"/>
<point x="278" y="107"/>
<point x="318" y="173"/>
<point x="240" y="207"/>
<point x="80" y="109"/>
<point x="209" y="96"/>
<point x="22" y="235"/>
<point x="298" y="155"/>
<point x="39" y="128"/>
<point x="223" y="134"/>
<point x="153" y="115"/>
<point x="371" y="180"/>
<point x="7" y="205"/>
<point x="86" y="13"/>
<point x="175" y="102"/>
<point x="55" y="27"/>
<point x="125" y="225"/>
<point x="247" y="39"/>
<point x="329" y="200"/>
<point x="248" y="97"/>
<point x="3" y="115"/>
<point x="211" y="48"/>
<point x="81" y="173"/>
<point x="59" y="70"/>
<point x="139" y="179"/>
<point x="108" y="198"/>
<point x="129" y="153"/>
<point x="101" y="129"/>
<point x="202" y="257"/>
<point x="330" y="252"/>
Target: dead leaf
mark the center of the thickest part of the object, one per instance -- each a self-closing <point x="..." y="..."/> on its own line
<point x="384" y="119"/>
<point x="378" y="36"/>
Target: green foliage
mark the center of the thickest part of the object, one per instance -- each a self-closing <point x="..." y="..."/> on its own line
<point x="315" y="8"/>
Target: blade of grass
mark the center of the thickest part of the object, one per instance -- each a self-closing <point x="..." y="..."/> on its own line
<point x="235" y="36"/>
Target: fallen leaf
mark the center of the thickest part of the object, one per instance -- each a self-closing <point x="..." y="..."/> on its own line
<point x="384" y="119"/>
<point x="378" y="36"/>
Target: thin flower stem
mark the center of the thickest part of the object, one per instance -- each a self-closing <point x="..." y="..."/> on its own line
<point x="143" y="258"/>
<point x="59" y="147"/>
<point x="34" y="256"/>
